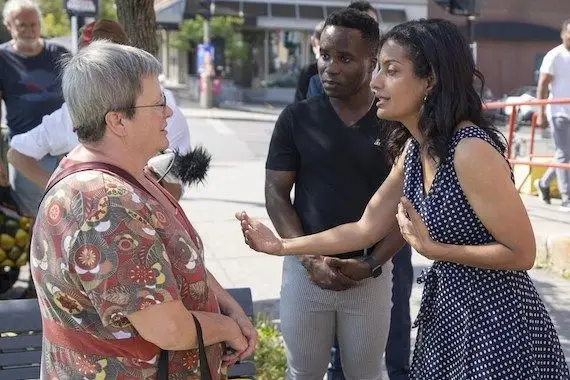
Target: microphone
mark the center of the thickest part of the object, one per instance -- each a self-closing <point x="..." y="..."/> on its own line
<point x="192" y="167"/>
<point x="188" y="169"/>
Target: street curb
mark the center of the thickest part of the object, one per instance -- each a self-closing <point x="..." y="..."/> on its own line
<point x="259" y="110"/>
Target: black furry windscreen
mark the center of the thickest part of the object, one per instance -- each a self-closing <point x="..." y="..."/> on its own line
<point x="192" y="167"/>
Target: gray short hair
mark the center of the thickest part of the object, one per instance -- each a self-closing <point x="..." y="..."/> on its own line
<point x="104" y="77"/>
<point x="16" y="6"/>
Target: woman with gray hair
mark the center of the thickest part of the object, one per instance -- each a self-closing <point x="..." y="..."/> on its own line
<point x="118" y="267"/>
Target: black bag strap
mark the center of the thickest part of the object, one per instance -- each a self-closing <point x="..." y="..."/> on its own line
<point x="204" y="368"/>
<point x="162" y="373"/>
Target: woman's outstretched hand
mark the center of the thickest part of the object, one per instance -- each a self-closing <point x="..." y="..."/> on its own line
<point x="258" y="236"/>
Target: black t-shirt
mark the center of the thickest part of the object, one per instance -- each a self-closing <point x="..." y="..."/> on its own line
<point x="338" y="167"/>
<point x="303" y="82"/>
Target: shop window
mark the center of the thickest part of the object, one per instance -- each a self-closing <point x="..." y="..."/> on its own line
<point x="255" y="9"/>
<point x="311" y="12"/>
<point x="283" y="10"/>
<point x="332" y="9"/>
<point x="393" y="15"/>
<point x="227" y="7"/>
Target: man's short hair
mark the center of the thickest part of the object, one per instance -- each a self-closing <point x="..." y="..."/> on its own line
<point x="354" y="19"/>
<point x="14" y="6"/>
<point x="565" y="24"/>
<point x="362" y="6"/>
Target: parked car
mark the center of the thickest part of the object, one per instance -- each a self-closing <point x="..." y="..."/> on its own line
<point x="521" y="94"/>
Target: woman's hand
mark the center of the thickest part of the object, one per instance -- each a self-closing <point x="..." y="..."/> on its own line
<point x="248" y="331"/>
<point x="414" y="230"/>
<point x="258" y="236"/>
<point x="235" y="347"/>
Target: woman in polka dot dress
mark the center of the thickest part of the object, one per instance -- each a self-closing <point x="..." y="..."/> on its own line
<point x="480" y="315"/>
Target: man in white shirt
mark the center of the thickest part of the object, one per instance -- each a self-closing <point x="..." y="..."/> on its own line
<point x="555" y="77"/>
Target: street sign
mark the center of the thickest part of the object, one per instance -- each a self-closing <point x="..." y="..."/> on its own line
<point x="85" y="8"/>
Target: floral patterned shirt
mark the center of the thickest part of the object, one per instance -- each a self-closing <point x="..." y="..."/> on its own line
<point x="101" y="250"/>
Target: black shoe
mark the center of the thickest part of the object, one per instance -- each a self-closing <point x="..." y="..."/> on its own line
<point x="543" y="191"/>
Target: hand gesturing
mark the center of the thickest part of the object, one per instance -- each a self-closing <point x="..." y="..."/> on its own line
<point x="258" y="236"/>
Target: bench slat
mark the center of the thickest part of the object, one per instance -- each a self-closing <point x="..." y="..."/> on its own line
<point x="244" y="369"/>
<point x="20" y="315"/>
<point x="24" y="373"/>
<point x="20" y="342"/>
<point x="20" y="358"/>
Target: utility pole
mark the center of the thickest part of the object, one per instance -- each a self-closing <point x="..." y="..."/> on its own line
<point x="206" y="100"/>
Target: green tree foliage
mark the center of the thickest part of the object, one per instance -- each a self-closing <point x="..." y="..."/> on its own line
<point x="108" y="10"/>
<point x="191" y="34"/>
<point x="55" y="20"/>
<point x="269" y="355"/>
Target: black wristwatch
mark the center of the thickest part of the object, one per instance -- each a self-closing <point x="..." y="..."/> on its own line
<point x="375" y="266"/>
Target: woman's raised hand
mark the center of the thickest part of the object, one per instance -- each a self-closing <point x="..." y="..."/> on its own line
<point x="258" y="236"/>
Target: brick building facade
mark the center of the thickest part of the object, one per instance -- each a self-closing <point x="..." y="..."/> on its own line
<point x="512" y="36"/>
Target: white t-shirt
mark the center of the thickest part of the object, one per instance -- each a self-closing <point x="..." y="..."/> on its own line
<point x="557" y="63"/>
<point x="55" y="134"/>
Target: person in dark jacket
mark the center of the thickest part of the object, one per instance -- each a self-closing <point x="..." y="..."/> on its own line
<point x="311" y="69"/>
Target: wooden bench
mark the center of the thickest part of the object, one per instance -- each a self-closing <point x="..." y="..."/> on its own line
<point x="21" y="338"/>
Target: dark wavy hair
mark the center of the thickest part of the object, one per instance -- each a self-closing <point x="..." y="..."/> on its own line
<point x="437" y="47"/>
<point x="354" y="19"/>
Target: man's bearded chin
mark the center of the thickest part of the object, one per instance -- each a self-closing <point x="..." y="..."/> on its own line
<point x="27" y="43"/>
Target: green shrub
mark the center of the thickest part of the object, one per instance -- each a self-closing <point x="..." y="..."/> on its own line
<point x="269" y="356"/>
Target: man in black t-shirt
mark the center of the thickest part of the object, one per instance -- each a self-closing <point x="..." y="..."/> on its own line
<point x="330" y="148"/>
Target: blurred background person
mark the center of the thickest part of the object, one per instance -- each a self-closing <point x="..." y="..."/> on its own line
<point x="310" y="70"/>
<point x="555" y="79"/>
<point x="30" y="86"/>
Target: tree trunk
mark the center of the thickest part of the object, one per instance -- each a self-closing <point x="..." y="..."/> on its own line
<point x="139" y="21"/>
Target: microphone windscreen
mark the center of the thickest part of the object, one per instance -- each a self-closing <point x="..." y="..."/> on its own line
<point x="192" y="167"/>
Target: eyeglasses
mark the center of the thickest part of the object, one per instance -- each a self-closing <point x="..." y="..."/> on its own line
<point x="163" y="104"/>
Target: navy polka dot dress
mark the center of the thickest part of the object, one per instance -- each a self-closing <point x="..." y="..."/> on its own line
<point x="474" y="323"/>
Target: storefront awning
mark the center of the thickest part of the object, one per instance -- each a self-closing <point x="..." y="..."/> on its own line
<point x="172" y="12"/>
